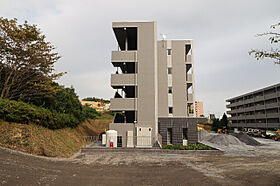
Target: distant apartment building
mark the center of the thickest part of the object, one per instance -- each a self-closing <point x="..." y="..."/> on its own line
<point x="258" y="109"/>
<point x="97" y="105"/>
<point x="199" y="112"/>
<point x="154" y="87"/>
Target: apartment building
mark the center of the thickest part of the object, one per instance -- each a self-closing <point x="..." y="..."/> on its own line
<point x="154" y="87"/>
<point x="258" y="109"/>
<point x="199" y="111"/>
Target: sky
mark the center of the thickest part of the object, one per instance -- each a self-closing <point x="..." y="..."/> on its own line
<point x="223" y="33"/>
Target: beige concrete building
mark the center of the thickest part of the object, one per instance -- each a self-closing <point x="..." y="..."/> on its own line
<point x="153" y="79"/>
<point x="175" y="78"/>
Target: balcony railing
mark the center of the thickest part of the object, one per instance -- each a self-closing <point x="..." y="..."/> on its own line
<point x="124" y="56"/>
<point x="123" y="79"/>
<point x="271" y="105"/>
<point x="270" y="96"/>
<point x="188" y="58"/>
<point x="189" y="77"/>
<point x="190" y="97"/>
<point x="273" y="115"/>
<point x="122" y="104"/>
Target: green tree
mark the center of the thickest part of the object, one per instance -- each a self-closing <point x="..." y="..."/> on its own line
<point x="26" y="61"/>
<point x="224" y="121"/>
<point x="215" y="124"/>
<point x="274" y="39"/>
<point x="66" y="101"/>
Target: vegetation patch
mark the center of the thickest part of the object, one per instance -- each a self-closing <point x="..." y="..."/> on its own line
<point x="42" y="141"/>
<point x="197" y="146"/>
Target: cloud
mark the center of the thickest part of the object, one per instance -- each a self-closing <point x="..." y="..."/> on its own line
<point x="223" y="33"/>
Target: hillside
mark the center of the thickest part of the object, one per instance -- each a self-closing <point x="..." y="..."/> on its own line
<point x="38" y="140"/>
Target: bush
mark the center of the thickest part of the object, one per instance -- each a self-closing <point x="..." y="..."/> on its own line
<point x="197" y="146"/>
<point x="17" y="111"/>
<point x="66" y="101"/>
<point x="89" y="112"/>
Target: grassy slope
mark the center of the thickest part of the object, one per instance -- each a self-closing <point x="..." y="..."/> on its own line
<point x="38" y="140"/>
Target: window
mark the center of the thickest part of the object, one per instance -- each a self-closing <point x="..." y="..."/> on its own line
<point x="169" y="52"/>
<point x="170" y="110"/>
<point x="169" y="90"/>
<point x="169" y="70"/>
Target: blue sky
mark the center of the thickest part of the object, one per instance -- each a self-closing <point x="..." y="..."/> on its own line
<point x="223" y="33"/>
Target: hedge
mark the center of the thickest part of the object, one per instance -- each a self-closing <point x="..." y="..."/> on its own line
<point x="197" y="146"/>
<point x="20" y="112"/>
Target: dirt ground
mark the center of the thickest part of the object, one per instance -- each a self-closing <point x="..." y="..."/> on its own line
<point x="138" y="168"/>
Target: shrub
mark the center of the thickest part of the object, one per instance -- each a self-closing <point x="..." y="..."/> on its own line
<point x="197" y="146"/>
<point x="17" y="111"/>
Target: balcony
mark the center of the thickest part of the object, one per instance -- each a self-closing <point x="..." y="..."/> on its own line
<point x="240" y="110"/>
<point x="259" y="98"/>
<point x="273" y="115"/>
<point x="243" y="117"/>
<point x="271" y="105"/>
<point x="190" y="97"/>
<point x="251" y="100"/>
<point x="270" y="96"/>
<point x="248" y="109"/>
<point x="233" y="118"/>
<point x="259" y="107"/>
<point x="230" y="112"/>
<point x="123" y="104"/>
<point x="229" y="106"/>
<point x="118" y="80"/>
<point x="250" y="116"/>
<point x="189" y="78"/>
<point x="188" y="59"/>
<point x="260" y="116"/>
<point x="273" y="125"/>
<point x="124" y="56"/>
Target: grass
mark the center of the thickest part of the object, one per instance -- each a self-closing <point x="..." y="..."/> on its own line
<point x="197" y="146"/>
<point x="105" y="115"/>
<point x="38" y="140"/>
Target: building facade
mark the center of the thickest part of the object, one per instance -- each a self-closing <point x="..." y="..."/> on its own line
<point x="199" y="112"/>
<point x="153" y="80"/>
<point x="259" y="109"/>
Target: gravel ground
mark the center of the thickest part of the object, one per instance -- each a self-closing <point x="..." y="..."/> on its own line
<point x="234" y="147"/>
<point x="257" y="165"/>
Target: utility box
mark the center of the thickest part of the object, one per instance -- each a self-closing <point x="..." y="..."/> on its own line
<point x="111" y="137"/>
<point x="129" y="139"/>
<point x="185" y="142"/>
<point x="144" y="137"/>
<point x="104" y="139"/>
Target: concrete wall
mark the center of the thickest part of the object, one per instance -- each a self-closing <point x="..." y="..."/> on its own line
<point x="122" y="129"/>
<point x="177" y="125"/>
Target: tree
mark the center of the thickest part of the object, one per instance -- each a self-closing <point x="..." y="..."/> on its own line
<point x="273" y="53"/>
<point x="215" y="124"/>
<point x="224" y="121"/>
<point x="26" y="61"/>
